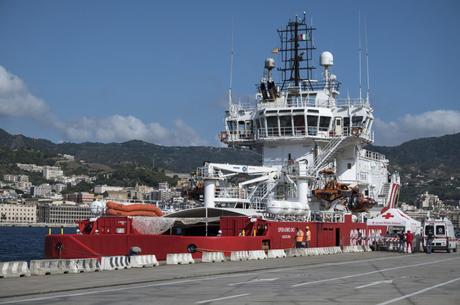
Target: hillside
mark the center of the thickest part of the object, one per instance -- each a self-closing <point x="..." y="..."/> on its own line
<point x="137" y="153"/>
<point x="428" y="164"/>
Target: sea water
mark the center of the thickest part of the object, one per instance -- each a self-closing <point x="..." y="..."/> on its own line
<point x="24" y="243"/>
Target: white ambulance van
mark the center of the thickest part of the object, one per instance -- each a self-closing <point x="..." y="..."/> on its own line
<point x="444" y="234"/>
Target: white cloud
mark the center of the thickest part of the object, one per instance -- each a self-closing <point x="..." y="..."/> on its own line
<point x="118" y="128"/>
<point x="427" y="124"/>
<point x="17" y="101"/>
<point x="15" y="98"/>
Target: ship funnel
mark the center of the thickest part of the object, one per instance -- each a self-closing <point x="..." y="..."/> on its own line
<point x="326" y="59"/>
<point x="269" y="63"/>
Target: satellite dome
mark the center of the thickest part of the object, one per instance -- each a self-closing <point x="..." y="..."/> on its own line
<point x="326" y="59"/>
<point x="269" y="63"/>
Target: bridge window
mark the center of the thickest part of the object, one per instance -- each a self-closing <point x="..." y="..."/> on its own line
<point x="241" y="126"/>
<point x="286" y="125"/>
<point x="231" y="126"/>
<point x="324" y="122"/>
<point x="357" y="121"/>
<point x="312" y="123"/>
<point x="272" y="126"/>
<point x="299" y="124"/>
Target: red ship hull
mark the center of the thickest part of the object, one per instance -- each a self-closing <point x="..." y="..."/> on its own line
<point x="259" y="234"/>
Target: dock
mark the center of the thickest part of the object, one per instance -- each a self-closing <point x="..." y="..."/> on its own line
<point x="346" y="278"/>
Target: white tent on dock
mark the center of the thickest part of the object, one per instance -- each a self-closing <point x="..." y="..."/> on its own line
<point x="395" y="218"/>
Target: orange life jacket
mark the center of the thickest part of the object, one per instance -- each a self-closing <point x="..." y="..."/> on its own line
<point x="299" y="236"/>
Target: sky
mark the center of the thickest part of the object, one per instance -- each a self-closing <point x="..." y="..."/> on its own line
<point x="158" y="71"/>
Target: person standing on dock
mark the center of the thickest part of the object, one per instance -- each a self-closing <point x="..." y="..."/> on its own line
<point x="299" y="238"/>
<point x="429" y="242"/>
<point x="401" y="236"/>
<point x="307" y="237"/>
<point x="409" y="239"/>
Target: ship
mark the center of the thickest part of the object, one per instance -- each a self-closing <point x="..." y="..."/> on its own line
<point x="315" y="172"/>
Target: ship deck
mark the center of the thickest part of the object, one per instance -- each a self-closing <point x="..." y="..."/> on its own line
<point x="354" y="278"/>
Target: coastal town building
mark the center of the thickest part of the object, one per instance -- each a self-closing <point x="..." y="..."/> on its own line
<point x="63" y="214"/>
<point x="8" y="195"/>
<point x="101" y="189"/>
<point x="42" y="190"/>
<point x="428" y="201"/>
<point x="16" y="178"/>
<point x="30" y="167"/>
<point x="80" y="197"/>
<point x="163" y="186"/>
<point x="20" y="182"/>
<point x="18" y="213"/>
<point x="52" y="172"/>
<point x="58" y="187"/>
<point x="116" y="195"/>
<point x="67" y="157"/>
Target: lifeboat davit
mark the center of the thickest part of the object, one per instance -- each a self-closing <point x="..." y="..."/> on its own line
<point x="135" y="209"/>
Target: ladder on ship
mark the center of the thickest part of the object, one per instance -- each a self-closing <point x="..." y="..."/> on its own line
<point x="260" y="193"/>
<point x="326" y="155"/>
<point x="384" y="191"/>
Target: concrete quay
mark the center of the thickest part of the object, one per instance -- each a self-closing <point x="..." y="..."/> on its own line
<point x="37" y="225"/>
<point x="348" y="278"/>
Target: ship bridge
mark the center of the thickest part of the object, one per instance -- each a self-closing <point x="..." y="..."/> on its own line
<point x="297" y="119"/>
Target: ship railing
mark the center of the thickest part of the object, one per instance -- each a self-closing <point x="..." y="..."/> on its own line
<point x="236" y="136"/>
<point x="373" y="155"/>
<point x="326" y="216"/>
<point x="298" y="101"/>
<point x="302" y="101"/>
<point x="300" y="131"/>
<point x="352" y="102"/>
<point x="241" y="107"/>
<point x="357" y="130"/>
<point x="314" y="85"/>
<point x="277" y="132"/>
<point x="230" y="192"/>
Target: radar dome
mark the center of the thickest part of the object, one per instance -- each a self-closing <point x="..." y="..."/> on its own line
<point x="326" y="59"/>
<point x="269" y="63"/>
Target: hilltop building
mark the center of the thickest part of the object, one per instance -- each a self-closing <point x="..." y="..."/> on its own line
<point x="52" y="172"/>
<point x="30" y="167"/>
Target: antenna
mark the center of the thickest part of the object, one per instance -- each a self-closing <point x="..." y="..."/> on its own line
<point x="359" y="55"/>
<point x="367" y="60"/>
<point x="231" y="69"/>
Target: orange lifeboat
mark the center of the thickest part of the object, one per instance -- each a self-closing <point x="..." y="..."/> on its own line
<point x="135" y="209"/>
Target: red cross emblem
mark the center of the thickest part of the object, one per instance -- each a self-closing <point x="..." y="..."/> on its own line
<point x="388" y="215"/>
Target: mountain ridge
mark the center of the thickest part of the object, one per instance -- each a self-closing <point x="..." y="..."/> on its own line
<point x="426" y="164"/>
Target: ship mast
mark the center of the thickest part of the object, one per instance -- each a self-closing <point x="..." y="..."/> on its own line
<point x="296" y="52"/>
<point x="231" y="71"/>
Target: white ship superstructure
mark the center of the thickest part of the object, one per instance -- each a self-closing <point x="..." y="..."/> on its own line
<point x="311" y="142"/>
